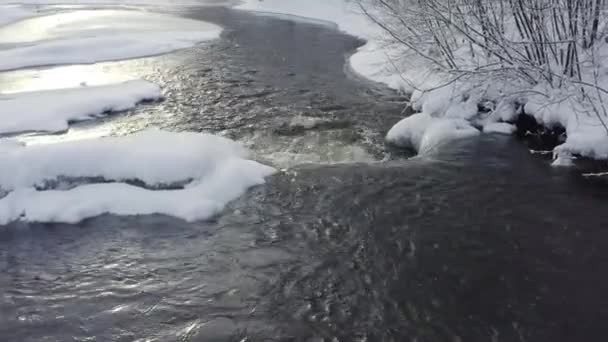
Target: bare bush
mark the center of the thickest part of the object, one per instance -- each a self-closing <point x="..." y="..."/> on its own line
<point x="554" y="42"/>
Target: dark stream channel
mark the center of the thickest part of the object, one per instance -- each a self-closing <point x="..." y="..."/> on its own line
<point x="480" y="242"/>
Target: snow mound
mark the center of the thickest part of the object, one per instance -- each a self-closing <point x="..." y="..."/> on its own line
<point x="499" y="127"/>
<point x="52" y="110"/>
<point x="215" y="170"/>
<point x="82" y="37"/>
<point x="424" y="133"/>
<point x="585" y="134"/>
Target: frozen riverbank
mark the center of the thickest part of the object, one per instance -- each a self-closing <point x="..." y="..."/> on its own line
<point x="481" y="105"/>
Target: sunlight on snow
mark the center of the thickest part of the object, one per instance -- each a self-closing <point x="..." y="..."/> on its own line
<point x="61" y="77"/>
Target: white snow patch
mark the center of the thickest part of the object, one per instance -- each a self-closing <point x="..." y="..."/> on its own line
<point x="499" y="127"/>
<point x="52" y="110"/>
<point x="585" y="135"/>
<point x="424" y="133"/>
<point x="215" y="169"/>
<point x="410" y="131"/>
<point x="563" y="160"/>
<point x="82" y="37"/>
<point x="12" y="13"/>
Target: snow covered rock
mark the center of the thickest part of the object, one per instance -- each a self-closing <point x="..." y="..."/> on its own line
<point x="423" y="132"/>
<point x="585" y="134"/>
<point x="52" y="110"/>
<point x="499" y="127"/>
<point x="215" y="170"/>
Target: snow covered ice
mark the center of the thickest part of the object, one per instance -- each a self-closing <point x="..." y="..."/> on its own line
<point x="215" y="170"/>
<point x="52" y="110"/>
<point x="82" y="37"/>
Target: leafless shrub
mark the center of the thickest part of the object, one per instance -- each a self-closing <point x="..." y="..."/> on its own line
<point x="554" y="42"/>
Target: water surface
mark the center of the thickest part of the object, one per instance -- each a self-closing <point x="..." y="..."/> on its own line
<point x="481" y="241"/>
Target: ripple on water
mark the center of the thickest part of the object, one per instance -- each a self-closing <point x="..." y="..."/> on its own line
<point x="456" y="247"/>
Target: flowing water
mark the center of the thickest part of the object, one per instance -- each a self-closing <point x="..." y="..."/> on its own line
<point x="350" y="241"/>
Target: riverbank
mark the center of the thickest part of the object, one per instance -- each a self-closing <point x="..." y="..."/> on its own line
<point x="477" y="105"/>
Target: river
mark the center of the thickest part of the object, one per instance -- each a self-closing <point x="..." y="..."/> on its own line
<point x="351" y="241"/>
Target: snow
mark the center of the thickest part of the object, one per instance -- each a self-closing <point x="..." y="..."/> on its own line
<point x="82" y="37"/>
<point x="52" y="110"/>
<point x="215" y="170"/>
<point x="12" y="13"/>
<point x="586" y="136"/>
<point x="424" y="133"/>
<point x="563" y="160"/>
<point x="499" y="127"/>
<point x="345" y="15"/>
<point x="588" y="141"/>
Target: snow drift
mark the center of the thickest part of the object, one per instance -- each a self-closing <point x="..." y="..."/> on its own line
<point x="81" y="37"/>
<point x="52" y="110"/>
<point x="215" y="170"/>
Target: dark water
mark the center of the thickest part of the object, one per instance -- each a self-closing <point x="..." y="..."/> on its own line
<point x="480" y="242"/>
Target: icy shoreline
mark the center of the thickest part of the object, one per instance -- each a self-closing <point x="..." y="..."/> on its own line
<point x="53" y="110"/>
<point x="454" y="105"/>
<point x="43" y="183"/>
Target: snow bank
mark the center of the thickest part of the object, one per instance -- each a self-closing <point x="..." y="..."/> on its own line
<point x="52" y="110"/>
<point x="81" y="37"/>
<point x="214" y="169"/>
<point x="585" y="135"/>
<point x="380" y="61"/>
